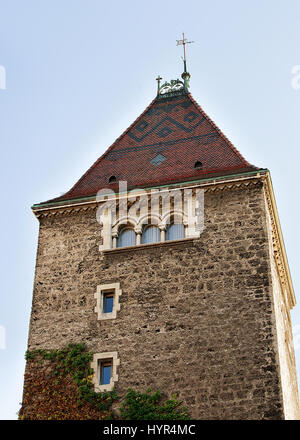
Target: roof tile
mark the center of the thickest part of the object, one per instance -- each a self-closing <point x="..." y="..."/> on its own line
<point x="162" y="147"/>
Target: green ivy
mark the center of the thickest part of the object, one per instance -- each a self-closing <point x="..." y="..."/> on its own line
<point x="147" y="406"/>
<point x="75" y="361"/>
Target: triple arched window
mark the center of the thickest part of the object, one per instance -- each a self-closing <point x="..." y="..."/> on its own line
<point x="128" y="236"/>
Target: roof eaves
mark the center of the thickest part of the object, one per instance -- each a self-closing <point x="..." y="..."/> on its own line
<point x="91" y="198"/>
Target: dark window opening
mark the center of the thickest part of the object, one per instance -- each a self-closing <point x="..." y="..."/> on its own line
<point x="112" y="179"/>
<point x="198" y="165"/>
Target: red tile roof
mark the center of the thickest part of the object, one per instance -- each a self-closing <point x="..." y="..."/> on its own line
<point x="162" y="147"/>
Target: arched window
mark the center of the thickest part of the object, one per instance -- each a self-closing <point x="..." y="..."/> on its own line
<point x="175" y="231"/>
<point x="126" y="238"/>
<point x="151" y="234"/>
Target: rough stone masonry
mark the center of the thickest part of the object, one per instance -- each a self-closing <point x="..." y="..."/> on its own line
<point x="197" y="317"/>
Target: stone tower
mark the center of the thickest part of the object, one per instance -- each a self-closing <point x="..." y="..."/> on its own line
<point x="167" y="260"/>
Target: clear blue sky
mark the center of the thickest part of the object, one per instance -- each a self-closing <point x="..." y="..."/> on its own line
<point x="78" y="72"/>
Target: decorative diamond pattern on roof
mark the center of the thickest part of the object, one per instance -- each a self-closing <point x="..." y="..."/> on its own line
<point x="141" y="126"/>
<point x="175" y="128"/>
<point x="158" y="159"/>
<point x="164" y="132"/>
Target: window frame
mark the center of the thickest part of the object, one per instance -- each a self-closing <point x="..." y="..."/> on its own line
<point x="99" y="295"/>
<point x="98" y="360"/>
<point x="135" y="218"/>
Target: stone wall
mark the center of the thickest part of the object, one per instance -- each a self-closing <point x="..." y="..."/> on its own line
<point x="286" y="355"/>
<point x="197" y="316"/>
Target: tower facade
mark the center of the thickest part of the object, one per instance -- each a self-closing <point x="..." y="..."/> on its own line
<point x="167" y="260"/>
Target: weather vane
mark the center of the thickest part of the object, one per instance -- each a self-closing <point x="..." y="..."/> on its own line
<point x="183" y="42"/>
<point x="176" y="86"/>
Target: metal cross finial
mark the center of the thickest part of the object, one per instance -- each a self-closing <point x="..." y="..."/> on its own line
<point x="183" y="42"/>
<point x="158" y="79"/>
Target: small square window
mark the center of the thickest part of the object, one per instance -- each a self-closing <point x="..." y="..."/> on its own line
<point x="108" y="302"/>
<point x="105" y="370"/>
